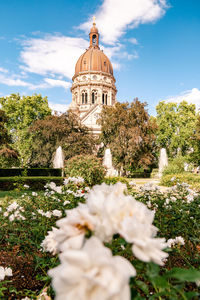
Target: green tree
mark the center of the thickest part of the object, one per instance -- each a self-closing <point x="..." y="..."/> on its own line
<point x="130" y="134"/>
<point x="64" y="130"/>
<point x="7" y="154"/>
<point x="22" y="112"/>
<point x="176" y="125"/>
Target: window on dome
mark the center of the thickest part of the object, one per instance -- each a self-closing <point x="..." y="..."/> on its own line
<point x="94" y="96"/>
<point x="105" y="98"/>
<point x="83" y="98"/>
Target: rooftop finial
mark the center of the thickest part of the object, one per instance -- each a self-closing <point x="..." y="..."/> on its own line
<point x="94" y="19"/>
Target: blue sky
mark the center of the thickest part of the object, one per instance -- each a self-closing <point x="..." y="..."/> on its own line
<point x="154" y="46"/>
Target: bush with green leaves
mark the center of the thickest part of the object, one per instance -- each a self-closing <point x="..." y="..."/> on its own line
<point x="172" y="179"/>
<point x="175" y="166"/>
<point x="26" y="220"/>
<point x="88" y="167"/>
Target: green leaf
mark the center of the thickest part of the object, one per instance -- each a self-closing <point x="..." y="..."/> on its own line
<point x="143" y="286"/>
<point x="191" y="275"/>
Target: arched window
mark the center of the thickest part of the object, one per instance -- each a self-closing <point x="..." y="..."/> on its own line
<point x="105" y="98"/>
<point x="84" y="97"/>
<point x="94" y="39"/>
<point x="94" y="97"/>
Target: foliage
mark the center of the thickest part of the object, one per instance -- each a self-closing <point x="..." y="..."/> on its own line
<point x="130" y="134"/>
<point x="21" y="113"/>
<point x="35" y="183"/>
<point x="176" y="165"/>
<point x="194" y="155"/>
<point x="64" y="130"/>
<point x="88" y="167"/>
<point x="8" y="156"/>
<point x="175" y="280"/>
<point x="4" y="137"/>
<point x="30" y="172"/>
<point x="176" y="123"/>
<point x="171" y="179"/>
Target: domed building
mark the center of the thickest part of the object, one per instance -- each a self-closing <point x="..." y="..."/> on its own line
<point x="93" y="83"/>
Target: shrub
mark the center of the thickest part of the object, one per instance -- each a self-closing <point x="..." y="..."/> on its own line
<point x="35" y="183"/>
<point x="30" y="172"/>
<point x="175" y="166"/>
<point x="88" y="167"/>
<point x="172" y="179"/>
<point x="8" y="162"/>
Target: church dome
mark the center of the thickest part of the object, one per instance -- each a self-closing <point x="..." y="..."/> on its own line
<point x="93" y="60"/>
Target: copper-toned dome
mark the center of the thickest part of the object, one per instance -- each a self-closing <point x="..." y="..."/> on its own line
<point x="93" y="60"/>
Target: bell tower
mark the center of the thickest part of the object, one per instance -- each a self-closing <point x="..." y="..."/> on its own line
<point x="94" y="36"/>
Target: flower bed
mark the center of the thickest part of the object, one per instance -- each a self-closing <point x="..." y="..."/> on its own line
<point x="103" y="242"/>
<point x="172" y="179"/>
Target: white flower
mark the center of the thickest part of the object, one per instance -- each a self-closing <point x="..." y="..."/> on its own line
<point x="12" y="206"/>
<point x="92" y="273"/>
<point x="26" y="186"/>
<point x="54" y="187"/>
<point x="11" y="218"/>
<point x="50" y="244"/>
<point x="6" y="214"/>
<point x="34" y="194"/>
<point x="57" y="213"/>
<point x="66" y="202"/>
<point x="5" y="272"/>
<point x="48" y="214"/>
<point x="0" y="209"/>
<point x="75" y="180"/>
<point x="178" y="240"/>
<point x="72" y="228"/>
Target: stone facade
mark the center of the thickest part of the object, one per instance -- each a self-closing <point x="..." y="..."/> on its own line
<point x="93" y="83"/>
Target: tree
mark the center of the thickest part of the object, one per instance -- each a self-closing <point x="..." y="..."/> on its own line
<point x="194" y="155"/>
<point x="7" y="154"/>
<point x="64" y="130"/>
<point x="176" y="125"/>
<point x="130" y="134"/>
<point x="22" y="112"/>
<point x="4" y="138"/>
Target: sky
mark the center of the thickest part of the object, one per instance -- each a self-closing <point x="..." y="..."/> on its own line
<point x="154" y="46"/>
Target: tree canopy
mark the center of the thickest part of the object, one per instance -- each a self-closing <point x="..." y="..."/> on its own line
<point x="130" y="134"/>
<point x="176" y="123"/>
<point x="21" y="113"/>
<point x="59" y="130"/>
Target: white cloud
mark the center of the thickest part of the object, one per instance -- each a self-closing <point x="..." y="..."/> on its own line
<point x="114" y="17"/>
<point x="7" y="80"/>
<point x="61" y="108"/>
<point x="191" y="96"/>
<point x="133" y="41"/>
<point x="2" y="70"/>
<point x="57" y="83"/>
<point x="53" y="54"/>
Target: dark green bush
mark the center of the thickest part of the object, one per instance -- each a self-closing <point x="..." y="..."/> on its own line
<point x="7" y="172"/>
<point x="140" y="175"/>
<point x="88" y="167"/>
<point x="8" y="162"/>
<point x="35" y="183"/>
